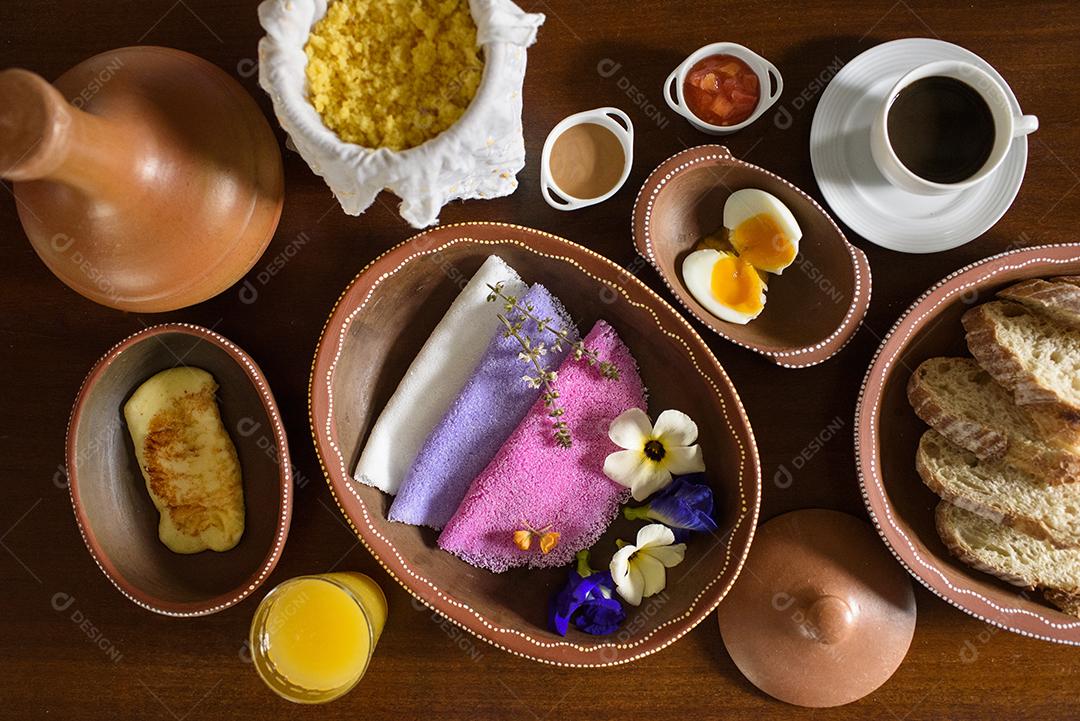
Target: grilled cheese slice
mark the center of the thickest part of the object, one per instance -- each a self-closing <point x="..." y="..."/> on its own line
<point x="188" y="461"/>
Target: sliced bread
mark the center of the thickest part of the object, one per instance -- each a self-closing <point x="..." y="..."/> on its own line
<point x="1007" y="553"/>
<point x="1000" y="493"/>
<point x="1035" y="358"/>
<point x="1067" y="602"/>
<point x="1056" y="298"/>
<point x="963" y="403"/>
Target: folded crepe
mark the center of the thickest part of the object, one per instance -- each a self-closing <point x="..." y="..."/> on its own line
<point x="534" y="483"/>
<point x="435" y="377"/>
<point x="491" y="405"/>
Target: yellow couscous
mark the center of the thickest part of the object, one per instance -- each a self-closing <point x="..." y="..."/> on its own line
<point x="393" y="73"/>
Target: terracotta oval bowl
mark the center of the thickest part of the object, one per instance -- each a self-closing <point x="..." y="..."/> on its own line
<point x="377" y="327"/>
<point x="812" y="310"/>
<point x="888" y="431"/>
<point x="116" y="517"/>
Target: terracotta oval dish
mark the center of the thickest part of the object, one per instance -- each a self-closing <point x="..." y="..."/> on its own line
<point x="377" y="327"/>
<point x="115" y="514"/>
<point x="901" y="506"/>
<point x="813" y="309"/>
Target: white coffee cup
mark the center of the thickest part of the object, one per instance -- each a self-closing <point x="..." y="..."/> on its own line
<point x="1007" y="125"/>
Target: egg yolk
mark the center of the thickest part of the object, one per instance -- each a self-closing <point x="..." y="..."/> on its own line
<point x="761" y="241"/>
<point x="736" y="284"/>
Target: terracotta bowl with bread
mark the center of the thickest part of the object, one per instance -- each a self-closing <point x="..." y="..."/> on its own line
<point x="812" y="310"/>
<point x="968" y="441"/>
<point x="115" y="513"/>
<point x="375" y="330"/>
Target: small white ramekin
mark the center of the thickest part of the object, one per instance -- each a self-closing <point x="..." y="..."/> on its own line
<point x="768" y="77"/>
<point x="614" y="120"/>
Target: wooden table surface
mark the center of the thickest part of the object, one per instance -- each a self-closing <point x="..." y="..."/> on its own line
<point x="101" y="657"/>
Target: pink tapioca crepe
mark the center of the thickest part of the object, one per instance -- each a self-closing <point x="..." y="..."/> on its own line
<point x="532" y="481"/>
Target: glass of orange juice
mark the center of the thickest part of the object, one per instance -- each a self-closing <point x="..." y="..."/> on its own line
<point x="313" y="636"/>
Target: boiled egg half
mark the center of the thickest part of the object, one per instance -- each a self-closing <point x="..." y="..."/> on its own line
<point x="725" y="284"/>
<point x="761" y="229"/>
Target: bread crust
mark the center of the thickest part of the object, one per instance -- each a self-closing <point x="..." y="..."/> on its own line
<point x="984" y="342"/>
<point x="1068" y="602"/>
<point x="1000" y="514"/>
<point x="947" y="532"/>
<point x="1058" y="420"/>
<point x="985" y="442"/>
<point x="1057" y="297"/>
<point x="1050" y="463"/>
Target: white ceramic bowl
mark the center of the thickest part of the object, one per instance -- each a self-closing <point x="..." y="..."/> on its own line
<point x="768" y="77"/>
<point x="623" y="129"/>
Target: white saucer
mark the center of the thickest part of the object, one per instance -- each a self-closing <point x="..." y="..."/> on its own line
<point x="855" y="189"/>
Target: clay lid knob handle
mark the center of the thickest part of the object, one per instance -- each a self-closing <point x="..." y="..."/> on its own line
<point x="830" y="619"/>
<point x="35" y="121"/>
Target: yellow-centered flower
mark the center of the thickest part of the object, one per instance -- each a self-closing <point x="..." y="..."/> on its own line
<point x="640" y="570"/>
<point x="652" y="454"/>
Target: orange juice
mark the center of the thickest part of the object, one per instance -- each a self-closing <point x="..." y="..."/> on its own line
<point x="313" y="636"/>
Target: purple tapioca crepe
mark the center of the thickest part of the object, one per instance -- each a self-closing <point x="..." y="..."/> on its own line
<point x="533" y="482"/>
<point x="489" y="408"/>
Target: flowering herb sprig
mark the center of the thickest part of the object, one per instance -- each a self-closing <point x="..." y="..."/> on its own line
<point x="579" y="350"/>
<point x="531" y="353"/>
<point x="532" y="350"/>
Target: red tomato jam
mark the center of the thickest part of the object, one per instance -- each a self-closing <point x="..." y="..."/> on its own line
<point x="721" y="90"/>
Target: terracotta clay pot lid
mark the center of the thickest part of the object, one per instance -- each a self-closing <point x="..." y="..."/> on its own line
<point x="821" y="615"/>
<point x="147" y="179"/>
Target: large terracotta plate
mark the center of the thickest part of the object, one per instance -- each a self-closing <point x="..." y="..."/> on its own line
<point x="377" y="327"/>
<point x="888" y="432"/>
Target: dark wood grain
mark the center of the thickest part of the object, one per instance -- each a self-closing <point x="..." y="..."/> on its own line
<point x="103" y="658"/>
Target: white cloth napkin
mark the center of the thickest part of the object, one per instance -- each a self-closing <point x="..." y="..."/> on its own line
<point x="435" y="378"/>
<point x="476" y="157"/>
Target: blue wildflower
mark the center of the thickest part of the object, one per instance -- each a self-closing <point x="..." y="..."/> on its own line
<point x="684" y="506"/>
<point x="587" y="601"/>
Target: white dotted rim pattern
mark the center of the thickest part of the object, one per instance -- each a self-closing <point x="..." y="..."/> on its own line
<point x="471" y="619"/>
<point x="966" y="220"/>
<point x="869" y="466"/>
<point x="284" y="464"/>
<point x="785" y="358"/>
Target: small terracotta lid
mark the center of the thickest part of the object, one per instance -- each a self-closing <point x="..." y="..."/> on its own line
<point x="821" y="615"/>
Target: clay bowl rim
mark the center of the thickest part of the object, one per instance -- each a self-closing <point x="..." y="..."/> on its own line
<point x="284" y="515"/>
<point x="922" y="312"/>
<point x="788" y="357"/>
<point x="517" y="642"/>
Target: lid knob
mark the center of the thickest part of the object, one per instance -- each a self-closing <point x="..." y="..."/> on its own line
<point x="830" y="619"/>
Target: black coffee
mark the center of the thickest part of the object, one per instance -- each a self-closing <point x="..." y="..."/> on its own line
<point x="941" y="129"/>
